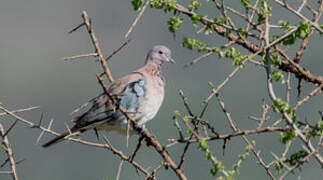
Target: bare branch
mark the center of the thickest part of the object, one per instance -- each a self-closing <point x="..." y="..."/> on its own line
<point x="9" y="152"/>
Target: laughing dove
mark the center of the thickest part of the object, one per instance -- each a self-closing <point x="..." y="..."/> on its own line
<point x="140" y="93"/>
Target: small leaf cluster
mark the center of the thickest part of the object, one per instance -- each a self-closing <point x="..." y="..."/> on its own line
<point x="232" y="53"/>
<point x="243" y="32"/>
<point x="317" y="130"/>
<point x="195" y="18"/>
<point x="246" y="4"/>
<point x="275" y="59"/>
<point x="184" y="118"/>
<point x="242" y="157"/>
<point x="282" y="106"/>
<point x="287" y="136"/>
<point x="216" y="164"/>
<point x="190" y="43"/>
<point x="173" y="23"/>
<point x="296" y="158"/>
<point x="278" y="75"/>
<point x="279" y="164"/>
<point x="235" y="168"/>
<point x="220" y="21"/>
<point x="236" y="56"/>
<point x="302" y="31"/>
<point x="263" y="13"/>
<point x="194" y="5"/>
<point x="137" y="4"/>
<point x="167" y="5"/>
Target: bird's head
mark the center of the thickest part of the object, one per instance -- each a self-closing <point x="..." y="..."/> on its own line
<point x="159" y="54"/>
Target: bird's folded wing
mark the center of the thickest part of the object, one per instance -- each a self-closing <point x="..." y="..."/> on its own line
<point x="128" y="92"/>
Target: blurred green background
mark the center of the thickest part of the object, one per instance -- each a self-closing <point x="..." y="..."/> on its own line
<point x="33" y="41"/>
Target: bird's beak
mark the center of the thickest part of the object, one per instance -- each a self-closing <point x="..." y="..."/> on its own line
<point x="171" y="60"/>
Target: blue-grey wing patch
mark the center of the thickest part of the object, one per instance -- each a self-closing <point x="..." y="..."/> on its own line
<point x="132" y="95"/>
<point x="129" y="98"/>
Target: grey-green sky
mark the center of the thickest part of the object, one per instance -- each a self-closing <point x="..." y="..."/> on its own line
<point x="33" y="41"/>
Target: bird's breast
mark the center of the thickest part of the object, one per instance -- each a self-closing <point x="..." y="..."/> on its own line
<point x="153" y="100"/>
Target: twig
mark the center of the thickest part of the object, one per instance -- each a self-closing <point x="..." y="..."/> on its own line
<point x="42" y="132"/>
<point x="137" y="19"/>
<point x="198" y="59"/>
<point x="95" y="43"/>
<point x="137" y="148"/>
<point x="21" y="110"/>
<point x="273" y="97"/>
<point x="285" y="5"/>
<point x="124" y="157"/>
<point x="80" y="56"/>
<point x="305" y="99"/>
<point x="231" y="135"/>
<point x="9" y="152"/>
<point x="235" y="128"/>
<point x="305" y="42"/>
<point x="119" y="170"/>
<point x="288" y="88"/>
<point x="117" y="50"/>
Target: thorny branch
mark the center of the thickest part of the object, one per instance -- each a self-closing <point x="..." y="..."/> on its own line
<point x="6" y="146"/>
<point x="259" y="32"/>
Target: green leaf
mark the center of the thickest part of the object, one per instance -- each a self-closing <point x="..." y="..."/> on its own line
<point x="156" y="4"/>
<point x="279" y="164"/>
<point x="216" y="49"/>
<point x="170" y="4"/>
<point x="243" y="32"/>
<point x="191" y="43"/>
<point x="304" y="29"/>
<point x="278" y="75"/>
<point x="275" y="59"/>
<point x="174" y="23"/>
<point x="203" y="145"/>
<point x="287" y="136"/>
<point x="194" y="5"/>
<point x="284" y="24"/>
<point x="297" y="158"/>
<point x="196" y="17"/>
<point x="137" y="4"/>
<point x="177" y="113"/>
<point x="208" y="155"/>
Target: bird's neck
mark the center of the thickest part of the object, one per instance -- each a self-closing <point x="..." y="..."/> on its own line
<point x="154" y="70"/>
<point x="153" y="64"/>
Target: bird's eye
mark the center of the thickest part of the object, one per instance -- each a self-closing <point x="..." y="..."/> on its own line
<point x="160" y="52"/>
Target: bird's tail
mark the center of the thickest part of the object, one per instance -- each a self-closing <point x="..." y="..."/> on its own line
<point x="59" y="138"/>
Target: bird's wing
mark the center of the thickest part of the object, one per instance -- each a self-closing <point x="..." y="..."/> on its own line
<point x="127" y="92"/>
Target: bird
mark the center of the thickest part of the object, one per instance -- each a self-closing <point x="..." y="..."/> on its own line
<point x="140" y="93"/>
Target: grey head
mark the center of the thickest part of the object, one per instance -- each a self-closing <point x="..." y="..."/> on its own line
<point x="159" y="54"/>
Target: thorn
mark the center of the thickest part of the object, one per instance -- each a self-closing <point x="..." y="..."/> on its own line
<point x="4" y="163"/>
<point x="41" y="119"/>
<point x="97" y="134"/>
<point x="224" y="145"/>
<point x="76" y="28"/>
<point x="20" y="161"/>
<point x="6" y="133"/>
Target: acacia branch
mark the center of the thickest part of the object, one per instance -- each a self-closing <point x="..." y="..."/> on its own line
<point x="9" y="152"/>
<point x="273" y="97"/>
<point x="284" y="65"/>
<point x="95" y="43"/>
